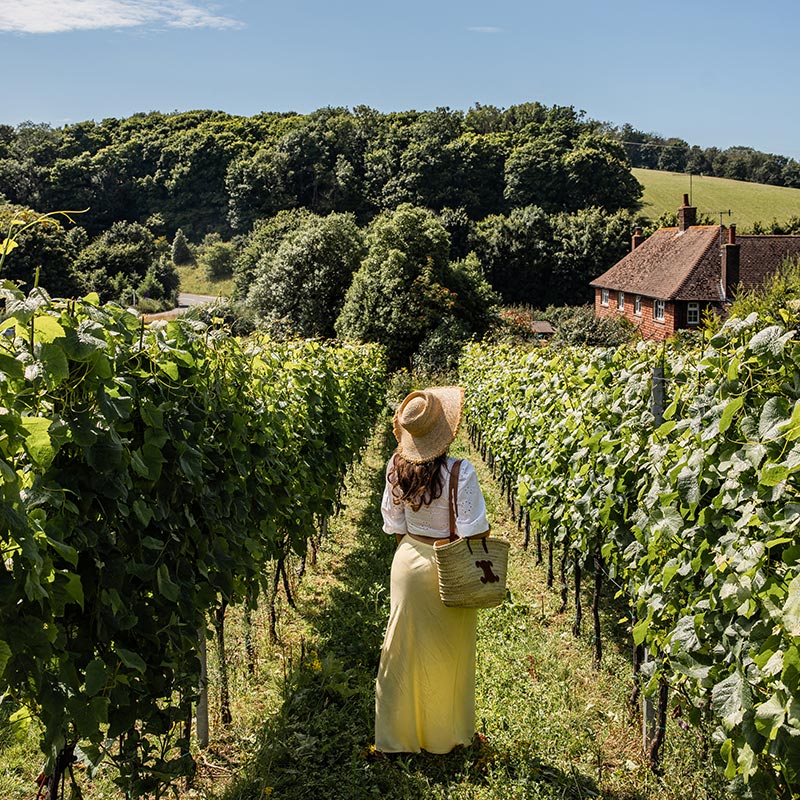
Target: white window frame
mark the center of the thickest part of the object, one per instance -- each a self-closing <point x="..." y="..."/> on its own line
<point x="620" y="301"/>
<point x="693" y="313"/>
<point x="604" y="297"/>
<point x="637" y="305"/>
<point x="659" y="310"/>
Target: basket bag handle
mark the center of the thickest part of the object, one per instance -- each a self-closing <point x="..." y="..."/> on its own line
<point x="453" y="498"/>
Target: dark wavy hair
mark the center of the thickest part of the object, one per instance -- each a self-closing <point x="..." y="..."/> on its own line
<point x="416" y="484"/>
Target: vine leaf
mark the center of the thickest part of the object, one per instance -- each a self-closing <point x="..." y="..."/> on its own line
<point x="730" y="699"/>
<point x="131" y="660"/>
<point x="37" y="441"/>
<point x="791" y="608"/>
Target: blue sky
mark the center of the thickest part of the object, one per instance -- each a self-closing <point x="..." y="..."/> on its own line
<point x="714" y="73"/>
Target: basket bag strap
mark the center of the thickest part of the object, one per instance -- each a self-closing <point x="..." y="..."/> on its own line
<point x="452" y="495"/>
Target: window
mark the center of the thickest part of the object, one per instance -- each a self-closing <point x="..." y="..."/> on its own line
<point x="620" y="301"/>
<point x="637" y="305"/>
<point x="658" y="310"/>
<point x="604" y="297"/>
<point x="693" y="314"/>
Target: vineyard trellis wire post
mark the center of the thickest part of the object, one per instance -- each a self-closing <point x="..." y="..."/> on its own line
<point x="201" y="711"/>
<point x="652" y="715"/>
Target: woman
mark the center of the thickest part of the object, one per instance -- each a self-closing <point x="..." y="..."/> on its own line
<point x="425" y="691"/>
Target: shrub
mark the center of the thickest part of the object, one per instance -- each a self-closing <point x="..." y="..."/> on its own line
<point x="578" y="325"/>
<point x="216" y="258"/>
<point x="181" y="252"/>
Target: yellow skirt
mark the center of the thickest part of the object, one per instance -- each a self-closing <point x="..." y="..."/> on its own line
<point x="425" y="691"/>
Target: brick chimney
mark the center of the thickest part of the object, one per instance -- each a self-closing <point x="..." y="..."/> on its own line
<point x="730" y="264"/>
<point x="637" y="238"/>
<point x="687" y="215"/>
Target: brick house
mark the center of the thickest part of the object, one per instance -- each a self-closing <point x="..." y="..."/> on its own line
<point x="668" y="279"/>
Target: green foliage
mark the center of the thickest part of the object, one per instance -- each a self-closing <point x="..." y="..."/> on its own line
<point x="532" y="257"/>
<point x="777" y="300"/>
<point x="405" y="288"/>
<point x="695" y="518"/>
<point x="299" y="289"/>
<point x="578" y="325"/>
<point x="216" y="258"/>
<point x="204" y="171"/>
<point x="181" y="252"/>
<point x="586" y="243"/>
<point x="225" y="312"/>
<point x="114" y="263"/>
<point x="160" y="284"/>
<point x="148" y="473"/>
<point x="261" y="244"/>
<point x="41" y="246"/>
<point x="517" y="253"/>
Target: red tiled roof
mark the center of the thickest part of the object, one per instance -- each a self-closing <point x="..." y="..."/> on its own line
<point x="664" y="262"/>
<point x="762" y="255"/>
<point x="671" y="265"/>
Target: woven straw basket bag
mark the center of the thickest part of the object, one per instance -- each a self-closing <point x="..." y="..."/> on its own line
<point x="472" y="573"/>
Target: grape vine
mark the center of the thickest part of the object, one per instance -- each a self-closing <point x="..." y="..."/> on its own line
<point x="149" y="475"/>
<point x="693" y="511"/>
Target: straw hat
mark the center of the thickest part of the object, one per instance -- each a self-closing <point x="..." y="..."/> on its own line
<point x="426" y="422"/>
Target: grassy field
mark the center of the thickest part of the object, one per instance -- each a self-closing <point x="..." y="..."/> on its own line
<point x="194" y="281"/>
<point x="554" y="726"/>
<point x="748" y="202"/>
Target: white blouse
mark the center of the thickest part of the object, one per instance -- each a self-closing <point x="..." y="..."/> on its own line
<point x="434" y="520"/>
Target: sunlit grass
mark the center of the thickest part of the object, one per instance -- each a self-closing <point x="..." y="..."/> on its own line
<point x="748" y="202"/>
<point x="195" y="281"/>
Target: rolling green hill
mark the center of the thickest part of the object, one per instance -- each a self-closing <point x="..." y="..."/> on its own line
<point x="748" y="202"/>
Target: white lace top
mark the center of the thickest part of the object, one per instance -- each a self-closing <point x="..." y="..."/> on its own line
<point x="434" y="520"/>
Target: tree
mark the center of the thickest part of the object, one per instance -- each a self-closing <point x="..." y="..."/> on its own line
<point x="534" y="174"/>
<point x="262" y="242"/>
<point x="518" y="253"/>
<point x="160" y="284"/>
<point x="406" y="288"/>
<point x="599" y="174"/>
<point x="216" y="258"/>
<point x="300" y="288"/>
<point x="397" y="295"/>
<point x="181" y="252"/>
<point x="115" y="262"/>
<point x="586" y="243"/>
<point x="48" y="247"/>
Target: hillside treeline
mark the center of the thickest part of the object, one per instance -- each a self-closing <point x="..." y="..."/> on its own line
<point x="205" y="171"/>
<point x="651" y="151"/>
<point x="441" y="214"/>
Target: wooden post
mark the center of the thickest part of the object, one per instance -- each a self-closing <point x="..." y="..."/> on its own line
<point x="650" y="727"/>
<point x="202" y="701"/>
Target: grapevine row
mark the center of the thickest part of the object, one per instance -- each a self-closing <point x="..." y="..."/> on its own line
<point x="691" y="506"/>
<point x="149" y="476"/>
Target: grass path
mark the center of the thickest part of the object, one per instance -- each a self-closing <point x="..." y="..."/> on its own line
<point x="556" y="727"/>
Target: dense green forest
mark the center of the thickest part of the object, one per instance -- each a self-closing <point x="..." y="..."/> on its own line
<point x="339" y="222"/>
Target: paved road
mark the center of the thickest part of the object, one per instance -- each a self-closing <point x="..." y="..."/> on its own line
<point x="185" y="300"/>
